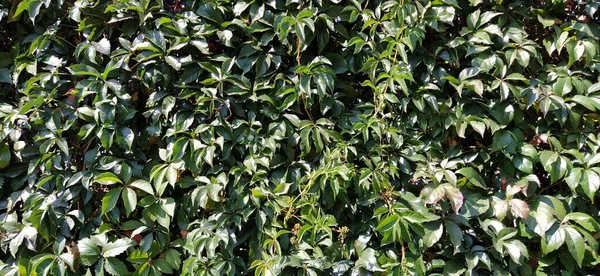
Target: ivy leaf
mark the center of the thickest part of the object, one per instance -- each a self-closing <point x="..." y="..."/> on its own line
<point x="113" y="249"/>
<point x="583" y="219"/>
<point x="455" y="234"/>
<point x="109" y="201"/>
<point x="575" y="244"/>
<point x="102" y="46"/>
<point x="519" y="208"/>
<point x="473" y="177"/>
<point x="89" y="252"/>
<point x="454" y="196"/>
<point x="142" y="185"/>
<point x="387" y="224"/>
<point x="433" y="233"/>
<point x="502" y="139"/>
<point x="4" y="155"/>
<point x="130" y="200"/>
<point x="368" y="260"/>
<point x="115" y="267"/>
<point x="474" y="205"/>
<point x="516" y="250"/>
<point x="553" y="240"/>
<point x="554" y="164"/>
<point x="107" y="178"/>
<point x="5" y="76"/>
<point x="590" y="184"/>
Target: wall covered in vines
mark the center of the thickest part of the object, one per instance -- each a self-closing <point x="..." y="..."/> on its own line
<point x="299" y="137"/>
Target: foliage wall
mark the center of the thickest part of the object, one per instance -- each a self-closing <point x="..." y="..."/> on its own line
<point x="303" y="137"/>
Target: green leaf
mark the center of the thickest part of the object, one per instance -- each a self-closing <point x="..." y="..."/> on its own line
<point x="479" y="127"/>
<point x="554" y="164"/>
<point x="473" y="177"/>
<point x="130" y="200"/>
<point x="84" y="70"/>
<point x="516" y="250"/>
<point x="89" y="252"/>
<point x="102" y="46"/>
<point x="173" y="258"/>
<point x="142" y="185"/>
<point x="583" y="219"/>
<point x="4" y="155"/>
<point x="545" y="22"/>
<point x="116" y="248"/>
<point x="107" y="178"/>
<point x="368" y="260"/>
<point x="575" y="244"/>
<point x="126" y="134"/>
<point x="387" y="224"/>
<point x="502" y="139"/>
<point x="523" y="164"/>
<point x="529" y="151"/>
<point x="5" y="76"/>
<point x="109" y="201"/>
<point x="591" y="184"/>
<point x="172" y="175"/>
<point x="553" y="240"/>
<point x="157" y="38"/>
<point x="455" y="234"/>
<point x="576" y="50"/>
<point x="574" y="178"/>
<point x="163" y="266"/>
<point x="214" y="191"/>
<point x="209" y="12"/>
<point x="115" y="267"/>
<point x="522" y="57"/>
<point x="585" y="101"/>
<point x="474" y="205"/>
<point x="433" y="233"/>
<point x="168" y="205"/>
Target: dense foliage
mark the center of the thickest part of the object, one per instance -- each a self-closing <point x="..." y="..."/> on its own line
<point x="303" y="137"/>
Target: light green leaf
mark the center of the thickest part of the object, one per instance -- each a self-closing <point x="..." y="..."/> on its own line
<point x="142" y="185"/>
<point x="575" y="244"/>
<point x="130" y="200"/>
<point x="107" y="178"/>
<point x="387" y="223"/>
<point x="553" y="240"/>
<point x="516" y="250"/>
<point x="109" y="201"/>
<point x="473" y="177"/>
<point x="168" y="205"/>
<point x="113" y="249"/>
<point x="89" y="252"/>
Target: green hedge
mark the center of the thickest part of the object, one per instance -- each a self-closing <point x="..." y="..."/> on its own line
<point x="303" y="137"/>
